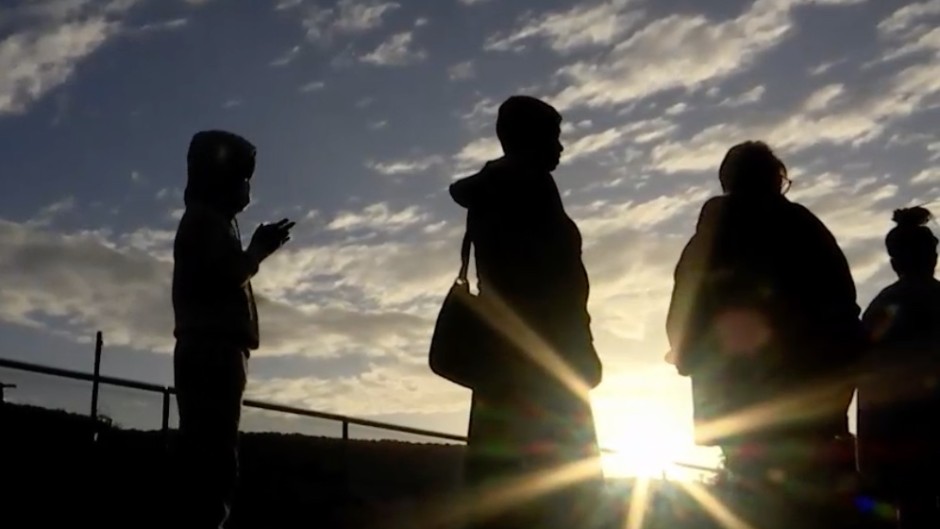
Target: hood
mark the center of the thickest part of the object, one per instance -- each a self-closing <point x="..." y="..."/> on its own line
<point x="214" y="159"/>
<point x="496" y="175"/>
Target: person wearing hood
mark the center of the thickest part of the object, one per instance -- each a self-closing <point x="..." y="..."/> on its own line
<point x="216" y="322"/>
<point x="899" y="393"/>
<point x="532" y="416"/>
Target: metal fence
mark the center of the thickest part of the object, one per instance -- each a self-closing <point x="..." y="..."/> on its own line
<point x="167" y="393"/>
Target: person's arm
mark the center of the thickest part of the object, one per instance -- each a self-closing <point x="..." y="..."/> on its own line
<point x="209" y="249"/>
<point x="832" y="289"/>
<point x="688" y="277"/>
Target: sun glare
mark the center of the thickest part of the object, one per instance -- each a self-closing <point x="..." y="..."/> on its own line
<point x="649" y="457"/>
<point x="648" y="448"/>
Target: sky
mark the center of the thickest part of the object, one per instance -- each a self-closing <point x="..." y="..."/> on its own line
<point x="363" y="112"/>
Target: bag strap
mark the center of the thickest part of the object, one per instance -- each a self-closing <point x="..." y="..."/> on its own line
<point x="465" y="247"/>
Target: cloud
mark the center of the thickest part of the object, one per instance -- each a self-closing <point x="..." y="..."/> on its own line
<point x="579" y="27"/>
<point x="284" y="5"/>
<point x="462" y="71"/>
<point x="678" y="108"/>
<point x="396" y="51"/>
<point x="592" y="143"/>
<point x="313" y="86"/>
<point x="752" y="96"/>
<point x="482" y="114"/>
<point x="72" y="284"/>
<point x="914" y="35"/>
<point x="827" y="116"/>
<point x="86" y="282"/>
<point x="377" y="217"/>
<point x="905" y="19"/>
<point x="822" y="98"/>
<point x="164" y="25"/>
<point x="378" y="125"/>
<point x="357" y="16"/>
<point x="475" y="153"/>
<point x="47" y="214"/>
<point x="287" y="58"/>
<point x="346" y="18"/>
<point x="931" y="175"/>
<point x="406" y="166"/>
<point x="676" y="51"/>
<point x="43" y="54"/>
<point x="472" y="2"/>
<point x="824" y="67"/>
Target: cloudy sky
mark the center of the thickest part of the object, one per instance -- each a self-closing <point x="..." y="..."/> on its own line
<point x="364" y="110"/>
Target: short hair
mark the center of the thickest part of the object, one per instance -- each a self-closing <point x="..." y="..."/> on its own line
<point x="520" y="117"/>
<point x="752" y="167"/>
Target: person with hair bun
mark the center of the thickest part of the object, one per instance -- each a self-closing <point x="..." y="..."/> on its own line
<point x="899" y="394"/>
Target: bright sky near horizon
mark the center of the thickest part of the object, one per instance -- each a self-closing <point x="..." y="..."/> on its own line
<point x="363" y="112"/>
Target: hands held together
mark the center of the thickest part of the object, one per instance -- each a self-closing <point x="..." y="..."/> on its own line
<point x="268" y="238"/>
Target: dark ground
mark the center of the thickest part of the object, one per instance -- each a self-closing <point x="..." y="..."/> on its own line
<point x="53" y="475"/>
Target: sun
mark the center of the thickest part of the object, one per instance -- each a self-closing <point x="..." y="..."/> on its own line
<point x="646" y="443"/>
<point x="649" y="457"/>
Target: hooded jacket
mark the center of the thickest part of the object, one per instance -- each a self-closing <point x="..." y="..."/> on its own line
<point x="212" y="294"/>
<point x="528" y="253"/>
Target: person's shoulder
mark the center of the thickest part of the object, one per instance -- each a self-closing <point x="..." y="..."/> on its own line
<point x="198" y="221"/>
<point x="711" y="212"/>
<point x="888" y="295"/>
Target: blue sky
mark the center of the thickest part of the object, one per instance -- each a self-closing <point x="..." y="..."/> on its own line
<point x="364" y="110"/>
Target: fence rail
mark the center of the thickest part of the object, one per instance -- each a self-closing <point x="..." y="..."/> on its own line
<point x="168" y="391"/>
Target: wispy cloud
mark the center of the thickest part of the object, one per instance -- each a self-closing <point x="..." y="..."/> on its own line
<point x="164" y="25"/>
<point x="676" y="51"/>
<point x="462" y="71"/>
<point x="283" y="5"/>
<point x="347" y="17"/>
<point x="396" y="51"/>
<point x="473" y="154"/>
<point x="749" y="97"/>
<point x="35" y="60"/>
<point x="312" y="86"/>
<point x="579" y="27"/>
<point x="407" y="166"/>
<point x="287" y="58"/>
<point x="378" y="217"/>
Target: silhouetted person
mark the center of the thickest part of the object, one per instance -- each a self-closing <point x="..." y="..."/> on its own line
<point x="216" y="319"/>
<point x="764" y="311"/>
<point x="899" y="397"/>
<point x="524" y="419"/>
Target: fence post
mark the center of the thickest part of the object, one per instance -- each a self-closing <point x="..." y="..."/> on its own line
<point x="345" y="430"/>
<point x="95" y="383"/>
<point x="166" y="411"/>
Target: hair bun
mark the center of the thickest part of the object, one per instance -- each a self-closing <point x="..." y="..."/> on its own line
<point x="912" y="217"/>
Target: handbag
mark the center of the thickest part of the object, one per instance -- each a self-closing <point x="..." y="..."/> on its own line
<point x="464" y="339"/>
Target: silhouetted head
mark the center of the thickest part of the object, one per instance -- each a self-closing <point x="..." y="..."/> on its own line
<point x="220" y="165"/>
<point x="911" y="244"/>
<point x="530" y="130"/>
<point x="752" y="169"/>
